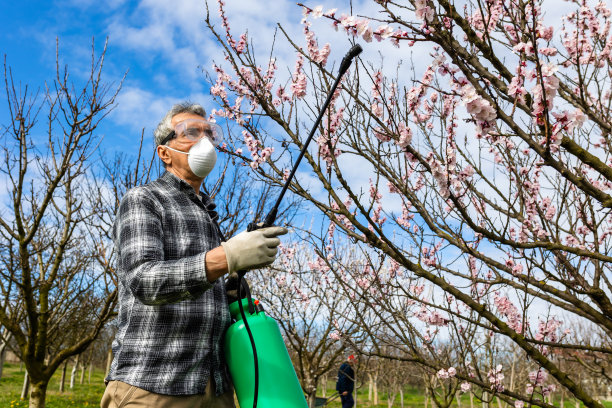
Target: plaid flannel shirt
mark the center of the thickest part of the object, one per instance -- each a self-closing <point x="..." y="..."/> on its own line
<point x="171" y="320"/>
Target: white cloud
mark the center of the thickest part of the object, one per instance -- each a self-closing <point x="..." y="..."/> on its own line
<point x="138" y="108"/>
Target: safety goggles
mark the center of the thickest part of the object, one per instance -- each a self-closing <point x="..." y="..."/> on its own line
<point x="194" y="130"/>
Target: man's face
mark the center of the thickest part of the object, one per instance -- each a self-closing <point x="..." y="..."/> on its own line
<point x="174" y="159"/>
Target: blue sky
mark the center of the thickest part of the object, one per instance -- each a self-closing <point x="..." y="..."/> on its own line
<point x="162" y="45"/>
<point x="160" y="68"/>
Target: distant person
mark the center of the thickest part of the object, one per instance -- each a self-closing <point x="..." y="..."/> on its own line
<point x="346" y="382"/>
<point x="173" y="314"/>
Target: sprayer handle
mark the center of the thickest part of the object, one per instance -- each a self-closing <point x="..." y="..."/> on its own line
<point x="255" y="226"/>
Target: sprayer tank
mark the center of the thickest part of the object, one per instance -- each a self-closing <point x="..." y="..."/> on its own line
<point x="278" y="383"/>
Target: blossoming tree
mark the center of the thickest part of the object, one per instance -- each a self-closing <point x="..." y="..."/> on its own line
<point x="311" y="310"/>
<point x="488" y="206"/>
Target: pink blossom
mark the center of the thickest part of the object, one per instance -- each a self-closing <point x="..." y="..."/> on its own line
<point x="240" y="47"/>
<point x="330" y="12"/>
<point x="254" y="146"/>
<point x="405" y="135"/>
<point x="550" y="212"/>
<point x="317" y="12"/>
<point x="298" y="85"/>
<point x="496" y="377"/>
<point x="538" y="377"/>
<point x="423" y="10"/>
<point x="549" y="389"/>
<point x="440" y="174"/>
<point x="516" y="88"/>
<point x="551" y="84"/>
<point x="382" y="32"/>
<point x="442" y="374"/>
<point x="433" y="318"/>
<point x="507" y="309"/>
<point x="476" y="105"/>
<point x="334" y="335"/>
<point x="549" y="52"/>
<point x="362" y="26"/>
<point x="465" y="386"/>
<point x="526" y="48"/>
<point x="546" y="33"/>
<point x="368" y="34"/>
<point x="281" y="281"/>
<point x="547" y="330"/>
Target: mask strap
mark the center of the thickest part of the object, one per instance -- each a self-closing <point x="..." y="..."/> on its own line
<point x="178" y="151"/>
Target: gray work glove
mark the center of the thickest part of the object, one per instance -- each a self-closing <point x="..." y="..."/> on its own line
<point x="250" y="250"/>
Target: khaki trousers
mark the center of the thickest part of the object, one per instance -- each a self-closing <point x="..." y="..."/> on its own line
<point x="119" y="395"/>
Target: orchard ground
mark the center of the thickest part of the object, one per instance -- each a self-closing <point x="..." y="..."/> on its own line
<point x="89" y="394"/>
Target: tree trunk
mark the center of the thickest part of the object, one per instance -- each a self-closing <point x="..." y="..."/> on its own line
<point x="38" y="395"/>
<point x="390" y="399"/>
<point x="471" y="399"/>
<point x="562" y="402"/>
<point x="484" y="397"/>
<point x="26" y="386"/>
<point x="324" y="383"/>
<point x="311" y="398"/>
<point x="401" y="392"/>
<point x="109" y="360"/>
<point x="82" y="374"/>
<point x="63" y="377"/>
<point x="2" y="357"/>
<point x="355" y="392"/>
<point x="89" y="375"/>
<point x="375" y="391"/>
<point x="370" y="387"/>
<point x="458" y="398"/>
<point x="73" y="373"/>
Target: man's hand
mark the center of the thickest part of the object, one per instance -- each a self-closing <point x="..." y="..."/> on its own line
<point x="345" y="393"/>
<point x="250" y="250"/>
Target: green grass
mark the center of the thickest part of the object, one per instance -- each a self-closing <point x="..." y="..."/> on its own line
<point x="415" y="398"/>
<point x="86" y="395"/>
<point x="412" y="398"/>
<point x="89" y="395"/>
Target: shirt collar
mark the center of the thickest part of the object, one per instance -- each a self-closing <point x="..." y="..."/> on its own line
<point x="172" y="181"/>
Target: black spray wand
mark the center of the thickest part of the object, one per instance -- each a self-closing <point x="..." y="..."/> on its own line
<point x="344" y="65"/>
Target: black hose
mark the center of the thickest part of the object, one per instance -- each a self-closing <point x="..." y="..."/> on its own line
<point x="242" y="281"/>
<point x="242" y="284"/>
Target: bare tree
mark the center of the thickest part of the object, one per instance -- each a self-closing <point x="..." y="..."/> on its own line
<point x="51" y="276"/>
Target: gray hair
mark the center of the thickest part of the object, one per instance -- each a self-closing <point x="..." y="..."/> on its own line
<point x="165" y="125"/>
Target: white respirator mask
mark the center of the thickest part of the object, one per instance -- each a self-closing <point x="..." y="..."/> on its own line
<point x="202" y="157"/>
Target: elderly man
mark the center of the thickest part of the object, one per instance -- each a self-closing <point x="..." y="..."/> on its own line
<point x="168" y="351"/>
